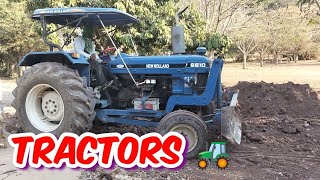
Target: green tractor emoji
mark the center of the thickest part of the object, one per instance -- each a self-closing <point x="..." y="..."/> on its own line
<point x="216" y="154"/>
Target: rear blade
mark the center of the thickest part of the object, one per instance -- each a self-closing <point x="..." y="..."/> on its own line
<point x="231" y="121"/>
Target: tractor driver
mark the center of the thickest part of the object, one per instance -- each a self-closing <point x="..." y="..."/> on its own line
<point x="84" y="45"/>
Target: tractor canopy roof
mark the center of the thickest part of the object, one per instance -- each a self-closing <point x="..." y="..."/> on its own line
<point x="90" y="16"/>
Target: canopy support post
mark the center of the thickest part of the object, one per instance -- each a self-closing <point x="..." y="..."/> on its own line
<point x="44" y="35"/>
<point x="118" y="51"/>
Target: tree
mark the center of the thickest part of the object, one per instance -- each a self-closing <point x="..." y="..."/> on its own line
<point x="221" y="15"/>
<point x="246" y="41"/>
<point x="263" y="47"/>
<point x="309" y="3"/>
<point x="17" y="36"/>
<point x="263" y="36"/>
<point x="153" y="34"/>
<point x="280" y="25"/>
<point x="217" y="44"/>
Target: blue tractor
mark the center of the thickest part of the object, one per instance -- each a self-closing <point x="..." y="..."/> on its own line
<point x="179" y="92"/>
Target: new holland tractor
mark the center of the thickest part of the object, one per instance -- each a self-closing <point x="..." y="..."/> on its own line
<point x="179" y="92"/>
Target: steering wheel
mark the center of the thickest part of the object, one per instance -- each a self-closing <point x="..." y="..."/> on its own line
<point x="104" y="54"/>
<point x="108" y="49"/>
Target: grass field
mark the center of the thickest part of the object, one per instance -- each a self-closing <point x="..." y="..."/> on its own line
<point x="303" y="72"/>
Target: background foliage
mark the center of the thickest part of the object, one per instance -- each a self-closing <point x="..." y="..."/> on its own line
<point x="238" y="29"/>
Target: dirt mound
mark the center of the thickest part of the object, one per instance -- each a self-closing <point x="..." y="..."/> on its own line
<point x="268" y="99"/>
<point x="10" y="124"/>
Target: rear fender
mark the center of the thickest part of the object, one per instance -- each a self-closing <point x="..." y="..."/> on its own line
<point x="51" y="56"/>
<point x="81" y="63"/>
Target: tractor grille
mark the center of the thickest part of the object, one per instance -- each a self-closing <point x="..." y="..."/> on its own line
<point x="201" y="82"/>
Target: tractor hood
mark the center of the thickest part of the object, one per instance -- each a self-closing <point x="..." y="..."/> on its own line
<point x="199" y="63"/>
<point x="205" y="155"/>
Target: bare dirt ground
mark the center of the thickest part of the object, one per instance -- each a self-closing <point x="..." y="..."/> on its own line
<point x="281" y="129"/>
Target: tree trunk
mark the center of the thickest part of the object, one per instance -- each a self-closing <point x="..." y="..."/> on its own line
<point x="295" y="57"/>
<point x="8" y="68"/>
<point x="18" y="70"/>
<point x="261" y="60"/>
<point x="13" y="70"/>
<point x="276" y="57"/>
<point x="244" y="61"/>
<point x="218" y="16"/>
<point x="211" y="54"/>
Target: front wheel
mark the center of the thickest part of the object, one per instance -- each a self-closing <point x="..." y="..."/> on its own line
<point x="189" y="125"/>
<point x="53" y="98"/>
<point x="202" y="164"/>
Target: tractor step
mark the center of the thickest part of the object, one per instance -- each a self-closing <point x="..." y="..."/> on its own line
<point x="130" y="112"/>
<point x="129" y="121"/>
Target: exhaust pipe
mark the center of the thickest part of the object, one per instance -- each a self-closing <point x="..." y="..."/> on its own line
<point x="177" y="35"/>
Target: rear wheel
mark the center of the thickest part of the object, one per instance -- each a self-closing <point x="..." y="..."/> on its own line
<point x="222" y="162"/>
<point x="189" y="125"/>
<point x="53" y="98"/>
